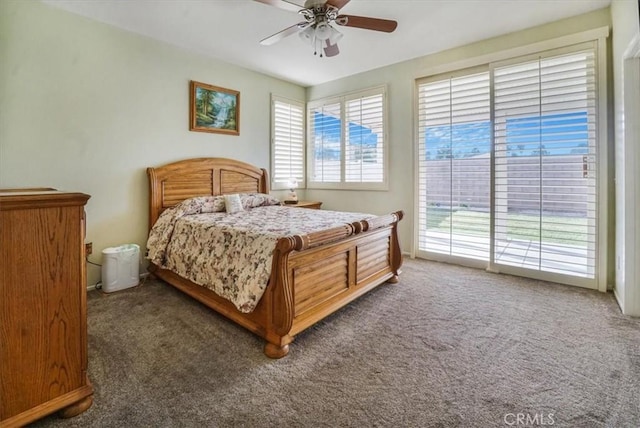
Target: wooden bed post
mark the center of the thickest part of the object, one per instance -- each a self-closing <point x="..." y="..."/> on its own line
<point x="281" y="315"/>
<point x="396" y="253"/>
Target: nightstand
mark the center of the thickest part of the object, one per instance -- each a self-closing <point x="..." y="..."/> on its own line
<point x="315" y="205"/>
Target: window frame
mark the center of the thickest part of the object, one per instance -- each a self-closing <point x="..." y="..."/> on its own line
<point x="342" y="100"/>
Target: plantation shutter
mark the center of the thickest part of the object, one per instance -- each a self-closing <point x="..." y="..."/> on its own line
<point x="364" y="138"/>
<point x="287" y="142"/>
<point x="325" y="142"/>
<point x="454" y="147"/>
<point x="545" y="163"/>
<point x="346" y="141"/>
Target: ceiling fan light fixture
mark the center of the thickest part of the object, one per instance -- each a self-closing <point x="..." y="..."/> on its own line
<point x="308" y="34"/>
<point x="323" y="31"/>
<point x="335" y="36"/>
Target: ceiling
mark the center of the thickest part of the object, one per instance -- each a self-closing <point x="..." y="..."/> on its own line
<point x="230" y="30"/>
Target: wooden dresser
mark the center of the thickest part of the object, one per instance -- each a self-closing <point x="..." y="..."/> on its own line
<point x="43" y="305"/>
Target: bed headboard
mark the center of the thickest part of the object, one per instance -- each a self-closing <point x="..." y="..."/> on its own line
<point x="172" y="183"/>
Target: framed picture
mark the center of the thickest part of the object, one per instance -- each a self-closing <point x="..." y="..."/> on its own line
<point x="213" y="109"/>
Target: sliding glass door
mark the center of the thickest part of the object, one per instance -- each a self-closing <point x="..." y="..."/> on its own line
<point x="545" y="164"/>
<point x="507" y="169"/>
<point x="455" y="164"/>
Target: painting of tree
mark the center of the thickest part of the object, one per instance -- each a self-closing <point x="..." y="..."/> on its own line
<point x="214" y="109"/>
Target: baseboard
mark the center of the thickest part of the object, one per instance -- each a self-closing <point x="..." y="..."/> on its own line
<point x="90" y="287"/>
<point x="618" y="299"/>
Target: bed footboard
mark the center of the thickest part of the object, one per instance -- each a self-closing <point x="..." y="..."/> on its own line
<point x="314" y="275"/>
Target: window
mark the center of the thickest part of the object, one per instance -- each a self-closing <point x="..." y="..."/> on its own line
<point x="347" y="146"/>
<point x="287" y="142"/>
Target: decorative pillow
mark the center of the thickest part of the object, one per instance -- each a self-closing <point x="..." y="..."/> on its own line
<point x="232" y="203"/>
<point x="208" y="204"/>
<point x="253" y="200"/>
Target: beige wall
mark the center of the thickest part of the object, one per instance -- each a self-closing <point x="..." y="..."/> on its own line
<point x="400" y="79"/>
<point x="87" y="107"/>
<point x="624" y="14"/>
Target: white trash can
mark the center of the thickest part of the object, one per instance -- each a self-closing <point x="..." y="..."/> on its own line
<point x="120" y="267"/>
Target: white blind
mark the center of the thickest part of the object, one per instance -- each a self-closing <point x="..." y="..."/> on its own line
<point x="508" y="165"/>
<point x="287" y="151"/>
<point x="454" y="148"/>
<point x="346" y="141"/>
<point x="364" y="139"/>
<point x="325" y="142"/>
<point x="545" y="163"/>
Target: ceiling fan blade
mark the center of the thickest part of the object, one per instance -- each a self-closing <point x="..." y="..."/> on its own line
<point x="386" y="25"/>
<point x="338" y="4"/>
<point x="284" y="33"/>
<point x="331" y="50"/>
<point x="290" y="5"/>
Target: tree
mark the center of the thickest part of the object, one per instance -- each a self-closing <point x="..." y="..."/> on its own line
<point x="444" y="152"/>
<point x="542" y="151"/>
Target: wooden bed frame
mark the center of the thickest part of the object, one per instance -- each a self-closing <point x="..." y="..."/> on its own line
<point x="312" y="275"/>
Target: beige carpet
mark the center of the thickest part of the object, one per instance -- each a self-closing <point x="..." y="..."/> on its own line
<point x="446" y="347"/>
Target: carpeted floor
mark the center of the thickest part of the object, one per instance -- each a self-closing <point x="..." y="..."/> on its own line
<point x="446" y="347"/>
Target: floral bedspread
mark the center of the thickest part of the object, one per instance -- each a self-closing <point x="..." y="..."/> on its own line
<point x="231" y="254"/>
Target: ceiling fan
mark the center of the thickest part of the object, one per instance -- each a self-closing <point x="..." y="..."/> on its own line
<point x="317" y="28"/>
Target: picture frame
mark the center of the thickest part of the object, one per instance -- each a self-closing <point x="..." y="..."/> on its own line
<point x="213" y="109"/>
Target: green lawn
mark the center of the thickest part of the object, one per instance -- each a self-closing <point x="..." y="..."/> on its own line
<point x="556" y="229"/>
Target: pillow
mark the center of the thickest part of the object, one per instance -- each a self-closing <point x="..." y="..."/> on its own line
<point x="206" y="204"/>
<point x="232" y="203"/>
<point x="253" y="200"/>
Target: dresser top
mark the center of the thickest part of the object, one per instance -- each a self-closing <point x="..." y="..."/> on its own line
<point x="11" y="199"/>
